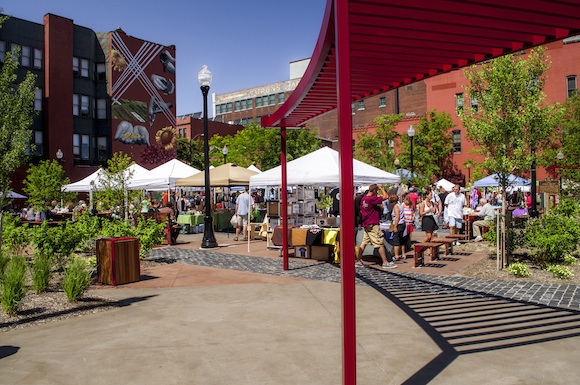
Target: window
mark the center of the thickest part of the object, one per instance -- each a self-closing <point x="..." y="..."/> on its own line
<point x="459" y="102"/>
<point x="38" y="100"/>
<point x="228" y="107"/>
<point x="101" y="72"/>
<point x="218" y="109"/>
<point x="456" y="136"/>
<point x="75" y="65"/>
<point x="258" y="101"/>
<point x="474" y="104"/>
<point x="76" y="145"/>
<point x="237" y="105"/>
<point x="250" y="103"/>
<point x="243" y="104"/>
<point x="272" y="99"/>
<point x="2" y="50"/>
<point x="84" y="68"/>
<point x="37" y="58"/>
<point x="281" y="98"/>
<point x="76" y="103"/>
<point x="102" y="148"/>
<point x="352" y="108"/>
<point x="360" y="105"/>
<point x="85" y="107"/>
<point x="382" y="101"/>
<point x="258" y="119"/>
<point x="101" y="109"/>
<point x="25" y="56"/>
<point x="85" y="147"/>
<point x="38" y="143"/>
<point x="571" y="85"/>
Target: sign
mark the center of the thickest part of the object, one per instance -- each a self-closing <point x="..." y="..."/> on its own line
<point x="549" y="186"/>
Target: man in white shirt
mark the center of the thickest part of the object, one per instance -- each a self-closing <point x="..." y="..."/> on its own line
<point x="243" y="208"/>
<point x="455" y="202"/>
<point x="487" y="214"/>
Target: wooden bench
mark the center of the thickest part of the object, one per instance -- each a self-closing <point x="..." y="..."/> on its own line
<point x="448" y="242"/>
<point x="420" y="248"/>
<point x="171" y="231"/>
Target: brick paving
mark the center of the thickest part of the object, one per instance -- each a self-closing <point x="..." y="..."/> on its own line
<point x="553" y="295"/>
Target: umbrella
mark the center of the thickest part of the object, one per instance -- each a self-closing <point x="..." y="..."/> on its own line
<point x="15" y="195"/>
<point x="407" y="174"/>
<point x="493" y="181"/>
<point x="227" y="174"/>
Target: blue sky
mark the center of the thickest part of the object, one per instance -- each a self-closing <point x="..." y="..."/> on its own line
<point x="244" y="43"/>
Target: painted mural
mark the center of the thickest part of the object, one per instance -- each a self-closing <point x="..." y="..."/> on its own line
<point x="142" y="93"/>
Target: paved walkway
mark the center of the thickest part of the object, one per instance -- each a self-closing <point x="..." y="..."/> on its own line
<point x="225" y="316"/>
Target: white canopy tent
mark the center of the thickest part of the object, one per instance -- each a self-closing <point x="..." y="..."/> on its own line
<point x="321" y="168"/>
<point x="254" y="168"/>
<point x="94" y="181"/>
<point x="164" y="176"/>
<point x="448" y="186"/>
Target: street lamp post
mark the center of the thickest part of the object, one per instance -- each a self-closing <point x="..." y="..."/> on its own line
<point x="468" y="167"/>
<point x="533" y="212"/>
<point x="560" y="157"/>
<point x="411" y="133"/>
<point x="225" y="152"/>
<point x="208" y="240"/>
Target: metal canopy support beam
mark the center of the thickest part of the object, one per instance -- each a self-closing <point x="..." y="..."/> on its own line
<point x="347" y="244"/>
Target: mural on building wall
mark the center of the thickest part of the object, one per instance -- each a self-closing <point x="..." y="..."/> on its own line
<point x="143" y="96"/>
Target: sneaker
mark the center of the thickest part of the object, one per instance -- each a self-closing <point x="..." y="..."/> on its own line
<point x="359" y="264"/>
<point x="478" y="239"/>
<point x="390" y="265"/>
<point x="457" y="243"/>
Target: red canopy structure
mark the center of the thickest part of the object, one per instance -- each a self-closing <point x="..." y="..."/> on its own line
<point x="366" y="47"/>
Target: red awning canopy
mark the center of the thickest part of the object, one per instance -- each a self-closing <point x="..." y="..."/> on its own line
<point x="397" y="42"/>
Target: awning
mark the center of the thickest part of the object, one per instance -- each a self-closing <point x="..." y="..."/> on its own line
<point x="399" y="42"/>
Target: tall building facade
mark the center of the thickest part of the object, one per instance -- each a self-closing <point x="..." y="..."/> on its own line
<point x="98" y="93"/>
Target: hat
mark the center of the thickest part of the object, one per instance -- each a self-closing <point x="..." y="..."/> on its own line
<point x="362" y="189"/>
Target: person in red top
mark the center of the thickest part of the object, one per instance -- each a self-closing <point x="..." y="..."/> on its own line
<point x="370" y="209"/>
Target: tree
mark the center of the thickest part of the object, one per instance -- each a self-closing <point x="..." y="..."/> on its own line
<point x="16" y="117"/>
<point x="512" y="120"/>
<point x="570" y="146"/>
<point x="112" y="191"/>
<point x="432" y="146"/>
<point x="43" y="182"/>
<point x="377" y="149"/>
<point x="190" y="152"/>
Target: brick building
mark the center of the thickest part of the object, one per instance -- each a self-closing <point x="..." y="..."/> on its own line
<point x="98" y="93"/>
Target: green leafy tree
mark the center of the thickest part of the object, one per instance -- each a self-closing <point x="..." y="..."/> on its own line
<point x="377" y="149"/>
<point x="113" y="190"/>
<point x="570" y="147"/>
<point x="43" y="182"/>
<point x="190" y="152"/>
<point x="432" y="147"/>
<point x="512" y="120"/>
<point x="16" y="117"/>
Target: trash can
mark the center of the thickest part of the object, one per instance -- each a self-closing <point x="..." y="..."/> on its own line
<point x="118" y="260"/>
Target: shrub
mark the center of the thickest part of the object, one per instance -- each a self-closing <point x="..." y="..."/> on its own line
<point x="59" y="241"/>
<point x="519" y="269"/>
<point x="13" y="287"/>
<point x="560" y="272"/>
<point x="552" y="237"/>
<point x="491" y="235"/>
<point x="41" y="271"/>
<point x="15" y="236"/>
<point x="3" y="262"/>
<point x="570" y="260"/>
<point x="77" y="278"/>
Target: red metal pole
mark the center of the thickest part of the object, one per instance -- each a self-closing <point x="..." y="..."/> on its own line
<point x="284" y="208"/>
<point x="347" y="241"/>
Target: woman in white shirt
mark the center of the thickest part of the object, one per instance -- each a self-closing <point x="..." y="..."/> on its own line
<point x="428" y="211"/>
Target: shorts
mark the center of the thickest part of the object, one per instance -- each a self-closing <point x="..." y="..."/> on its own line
<point x="373" y="235"/>
<point x="455" y="222"/>
<point x="396" y="237"/>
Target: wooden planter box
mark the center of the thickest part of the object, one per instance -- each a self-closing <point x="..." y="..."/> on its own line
<point x="118" y="260"/>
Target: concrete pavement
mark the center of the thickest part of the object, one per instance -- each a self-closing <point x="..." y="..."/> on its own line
<point x="197" y="322"/>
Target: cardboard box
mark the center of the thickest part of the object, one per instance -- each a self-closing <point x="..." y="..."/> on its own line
<point x="302" y="252"/>
<point x="321" y="253"/>
<point x="327" y="221"/>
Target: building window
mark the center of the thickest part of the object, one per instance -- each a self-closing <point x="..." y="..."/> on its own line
<point x="237" y="105"/>
<point x="456" y="137"/>
<point x="75" y="64"/>
<point x="459" y="102"/>
<point x="281" y="98"/>
<point x="81" y="146"/>
<point x="84" y="68"/>
<point x="250" y="103"/>
<point x="361" y="105"/>
<point x="2" y="50"/>
<point x="382" y="101"/>
<point x="85" y="105"/>
<point x="258" y="101"/>
<point x="76" y="104"/>
<point x="228" y="107"/>
<point x="25" y="56"/>
<point x="101" y="109"/>
<point x="571" y="85"/>
<point x="474" y="104"/>
<point x="258" y="119"/>
<point x="38" y="100"/>
<point x="101" y="72"/>
<point x="243" y="104"/>
<point x="37" y="58"/>
<point x="38" y="143"/>
<point x="102" y="148"/>
<point x="272" y="99"/>
<point x="352" y="108"/>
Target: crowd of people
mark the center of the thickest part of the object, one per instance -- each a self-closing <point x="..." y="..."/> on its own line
<point x="394" y="215"/>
